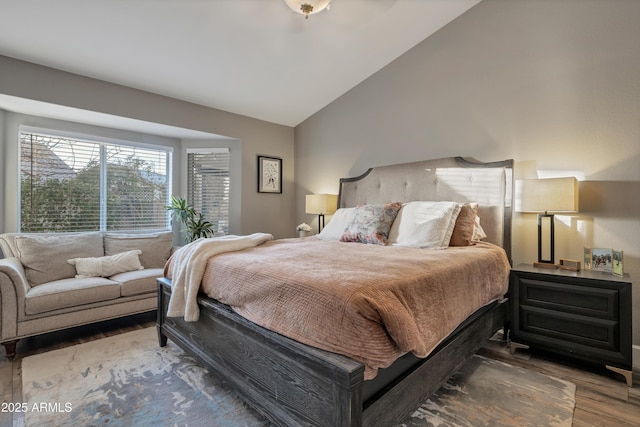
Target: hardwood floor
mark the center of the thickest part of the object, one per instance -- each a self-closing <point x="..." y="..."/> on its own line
<point x="602" y="397"/>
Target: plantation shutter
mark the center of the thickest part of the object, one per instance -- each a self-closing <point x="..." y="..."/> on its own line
<point x="208" y="184"/>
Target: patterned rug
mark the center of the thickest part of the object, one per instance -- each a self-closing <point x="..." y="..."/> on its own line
<point x="486" y="392"/>
<point x="127" y="380"/>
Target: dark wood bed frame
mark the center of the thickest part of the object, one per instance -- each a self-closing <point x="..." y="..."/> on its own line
<point x="295" y="384"/>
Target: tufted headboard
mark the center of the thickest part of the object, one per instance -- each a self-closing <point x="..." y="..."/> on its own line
<point x="447" y="179"/>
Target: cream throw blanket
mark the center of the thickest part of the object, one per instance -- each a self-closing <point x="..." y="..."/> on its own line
<point x="188" y="264"/>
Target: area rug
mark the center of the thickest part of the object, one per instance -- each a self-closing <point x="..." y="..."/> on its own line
<point x="127" y="380"/>
<point x="486" y="392"/>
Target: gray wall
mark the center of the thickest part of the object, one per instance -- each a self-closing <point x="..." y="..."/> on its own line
<point x="553" y="84"/>
<point x="3" y="156"/>
<point x="271" y="213"/>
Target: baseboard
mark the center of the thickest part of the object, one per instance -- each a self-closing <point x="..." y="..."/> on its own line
<point x="635" y="354"/>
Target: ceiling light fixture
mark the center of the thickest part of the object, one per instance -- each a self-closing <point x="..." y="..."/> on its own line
<point x="308" y="7"/>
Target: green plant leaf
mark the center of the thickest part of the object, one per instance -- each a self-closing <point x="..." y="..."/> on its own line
<point x="195" y="225"/>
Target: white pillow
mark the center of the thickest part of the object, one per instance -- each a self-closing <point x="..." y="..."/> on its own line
<point x="424" y="224"/>
<point x="107" y="266"/>
<point x="478" y="232"/>
<point x="338" y="223"/>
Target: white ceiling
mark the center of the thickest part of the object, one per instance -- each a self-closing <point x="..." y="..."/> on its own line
<point x="251" y="57"/>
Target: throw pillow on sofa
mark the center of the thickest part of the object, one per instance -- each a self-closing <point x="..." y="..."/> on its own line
<point x="107" y="266"/>
<point x="155" y="247"/>
<point x="44" y="257"/>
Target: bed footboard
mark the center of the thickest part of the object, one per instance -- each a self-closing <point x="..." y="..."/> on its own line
<point x="294" y="384"/>
<point x="288" y="382"/>
<point x="409" y="390"/>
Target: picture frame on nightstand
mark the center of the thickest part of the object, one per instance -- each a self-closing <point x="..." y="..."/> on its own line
<point x="602" y="259"/>
<point x="586" y="261"/>
<point x="618" y="268"/>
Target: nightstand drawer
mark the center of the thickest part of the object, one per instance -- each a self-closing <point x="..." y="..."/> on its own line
<point x="583" y="300"/>
<point x="582" y="314"/>
<point x="570" y="328"/>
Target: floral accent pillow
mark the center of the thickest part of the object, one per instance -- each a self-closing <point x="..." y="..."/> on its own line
<point x="371" y="224"/>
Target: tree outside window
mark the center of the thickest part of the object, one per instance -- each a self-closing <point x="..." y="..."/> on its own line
<point x="68" y="184"/>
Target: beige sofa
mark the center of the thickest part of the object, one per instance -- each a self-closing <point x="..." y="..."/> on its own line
<point x="41" y="291"/>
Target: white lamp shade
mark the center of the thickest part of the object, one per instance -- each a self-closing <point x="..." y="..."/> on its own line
<point x="555" y="195"/>
<point x="318" y="204"/>
<point x="318" y="5"/>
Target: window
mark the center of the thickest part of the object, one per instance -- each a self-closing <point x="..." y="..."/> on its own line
<point x="208" y="184"/>
<point x="70" y="184"/>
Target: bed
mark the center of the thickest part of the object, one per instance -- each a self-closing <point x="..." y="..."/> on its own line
<point x="293" y="383"/>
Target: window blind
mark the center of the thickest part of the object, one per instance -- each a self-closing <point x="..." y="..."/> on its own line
<point x="208" y="186"/>
<point x="137" y="190"/>
<point x="69" y="184"/>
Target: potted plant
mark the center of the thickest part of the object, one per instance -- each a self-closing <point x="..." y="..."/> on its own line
<point x="195" y="225"/>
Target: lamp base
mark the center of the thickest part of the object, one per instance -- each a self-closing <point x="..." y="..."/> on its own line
<point x="545" y="265"/>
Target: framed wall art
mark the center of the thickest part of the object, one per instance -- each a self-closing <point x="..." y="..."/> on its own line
<point x="269" y="174"/>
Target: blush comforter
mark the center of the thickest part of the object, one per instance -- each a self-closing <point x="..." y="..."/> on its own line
<point x="371" y="303"/>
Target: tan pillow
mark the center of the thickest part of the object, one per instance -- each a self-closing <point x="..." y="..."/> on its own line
<point x="44" y="257"/>
<point x="463" y="230"/>
<point x="107" y="266"/>
<point x="155" y="247"/>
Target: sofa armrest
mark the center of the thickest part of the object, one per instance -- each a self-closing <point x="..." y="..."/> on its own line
<point x="13" y="290"/>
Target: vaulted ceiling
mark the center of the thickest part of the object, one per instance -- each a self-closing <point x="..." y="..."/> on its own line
<point x="251" y="57"/>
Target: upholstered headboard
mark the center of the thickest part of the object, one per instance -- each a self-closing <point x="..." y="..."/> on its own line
<point x="447" y="179"/>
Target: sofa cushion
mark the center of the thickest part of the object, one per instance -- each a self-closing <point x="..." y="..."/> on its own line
<point x="106" y="266"/>
<point x="72" y="292"/>
<point x="45" y="256"/>
<point x="155" y="247"/>
<point x="138" y="282"/>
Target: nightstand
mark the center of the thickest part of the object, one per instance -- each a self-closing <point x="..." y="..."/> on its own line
<point x="580" y="314"/>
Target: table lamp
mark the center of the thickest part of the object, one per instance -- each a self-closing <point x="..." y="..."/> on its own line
<point x="321" y="205"/>
<point x="546" y="197"/>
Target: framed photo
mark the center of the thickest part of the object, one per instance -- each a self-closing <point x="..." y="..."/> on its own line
<point x="586" y="261"/>
<point x="602" y="259"/>
<point x="269" y="174"/>
<point x="618" y="269"/>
